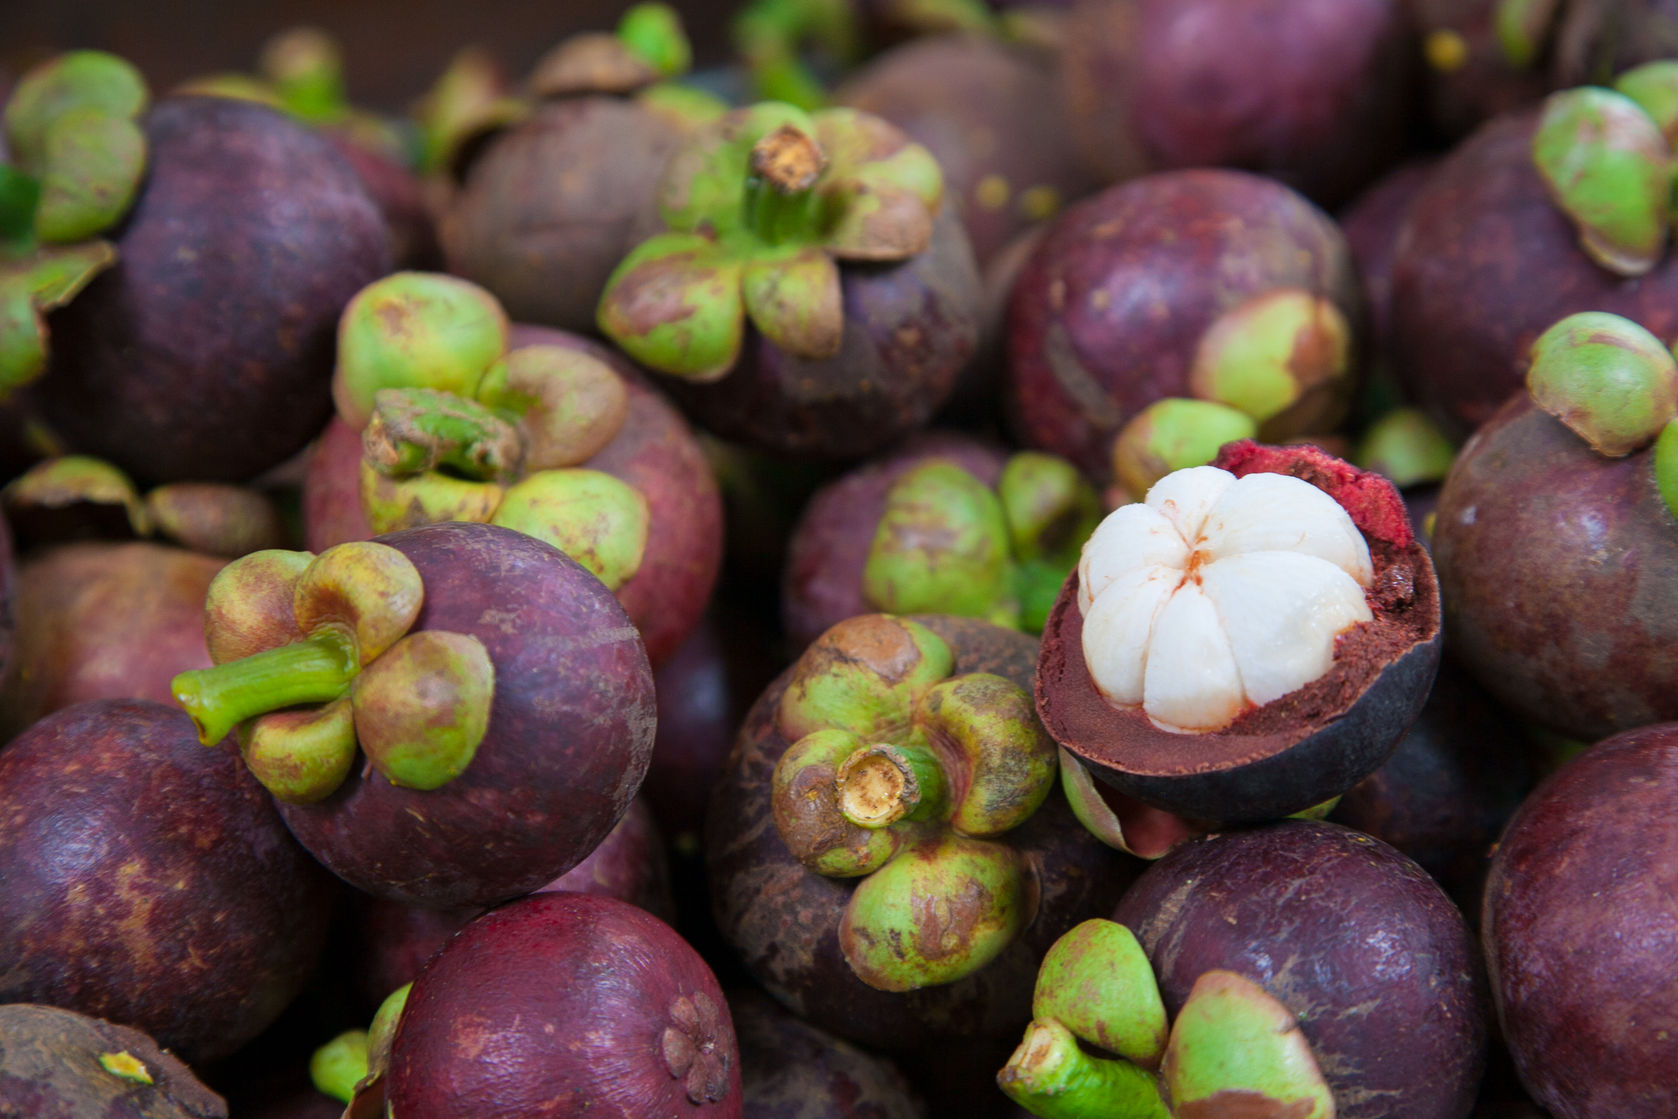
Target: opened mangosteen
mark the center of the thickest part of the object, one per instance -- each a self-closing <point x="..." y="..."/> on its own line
<point x="1250" y="641"/>
<point x="1215" y="285"/>
<point x="450" y="715"/>
<point x="886" y="850"/>
<point x="574" y="1004"/>
<point x="947" y="524"/>
<point x="150" y="881"/>
<point x="1579" y="928"/>
<point x="1353" y="939"/>
<point x="1556" y="535"/>
<point x="57" y="1064"/>
<point x="463" y="417"/>
<point x="1316" y="95"/>
<point x="812" y="296"/>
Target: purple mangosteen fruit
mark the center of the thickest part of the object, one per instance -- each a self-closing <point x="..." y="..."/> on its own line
<point x="205" y="351"/>
<point x="979" y="106"/>
<point x="1209" y="284"/>
<point x="1248" y="642"/>
<point x="1579" y="931"/>
<point x="449" y="715"/>
<point x="1353" y="939"/>
<point x="1371" y="223"/>
<point x="58" y="1064"/>
<point x="947" y="524"/>
<point x="812" y="296"/>
<point x="464" y="417"/>
<point x="1556" y="535"/>
<point x="886" y="850"/>
<point x="150" y="881"/>
<point x="789" y="1069"/>
<point x="565" y="1004"/>
<point x="1314" y="93"/>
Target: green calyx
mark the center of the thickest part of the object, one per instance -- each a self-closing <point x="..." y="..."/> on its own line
<point x="469" y="98"/>
<point x="416" y="430"/>
<point x="1096" y="980"/>
<point x="566" y="405"/>
<point x="1273" y="352"/>
<point x="864" y="674"/>
<point x="1609" y="380"/>
<point x="1175" y="433"/>
<point x="761" y="207"/>
<point x="339" y="1065"/>
<point x="1666" y="465"/>
<point x="71" y="480"/>
<point x="1050" y="510"/>
<point x="1654" y="86"/>
<point x="1606" y="164"/>
<point x="32" y="283"/>
<point x="596" y="519"/>
<point x="1408" y="447"/>
<point x="1234" y="1045"/>
<point x="314" y="658"/>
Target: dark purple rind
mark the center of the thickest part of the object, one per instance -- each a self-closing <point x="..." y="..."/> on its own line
<point x="791" y="1070"/>
<point x="331" y="491"/>
<point x="910" y="328"/>
<point x="149" y="881"/>
<point x="555" y="1005"/>
<point x="1371" y="223"/>
<point x="828" y="548"/>
<point x="1485" y="264"/>
<point x="783" y="920"/>
<point x="550" y="206"/>
<point x="570" y="732"/>
<point x="1314" y="93"/>
<point x="1559" y="573"/>
<point x="1347" y="933"/>
<point x="1109" y="310"/>
<point x="49" y="1069"/>
<point x="205" y="353"/>
<point x="1580" y="931"/>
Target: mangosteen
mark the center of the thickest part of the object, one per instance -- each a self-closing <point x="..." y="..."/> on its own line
<point x="1579" y="928"/>
<point x="570" y="1003"/>
<point x="548" y="205"/>
<point x="150" y="881"/>
<point x="205" y="351"/>
<point x="1248" y="642"/>
<point x="450" y="715"/>
<point x="886" y="851"/>
<point x="1557" y="553"/>
<point x="791" y="1070"/>
<point x="946" y="524"/>
<point x="58" y="1064"/>
<point x="555" y="436"/>
<point x="1314" y="94"/>
<point x="1213" y="285"/>
<point x="1351" y="937"/>
<point x="978" y="105"/>
<point x="812" y="296"/>
<point x="1371" y="223"/>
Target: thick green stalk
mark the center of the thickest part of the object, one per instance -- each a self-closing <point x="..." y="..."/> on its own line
<point x="780" y="189"/>
<point x="317" y="669"/>
<point x="1050" y="1076"/>
<point x="881" y="784"/>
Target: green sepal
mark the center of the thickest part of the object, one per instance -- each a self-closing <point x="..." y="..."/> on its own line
<point x="705" y="182"/>
<point x="653" y="32"/>
<point x="92" y="168"/>
<point x="940" y="547"/>
<point x="941" y="909"/>
<point x="74" y="480"/>
<point x="339" y="1065"/>
<point x="1096" y="981"/>
<point x="1263" y="355"/>
<point x="1052" y="1077"/>
<point x="881" y="190"/>
<point x="674" y="304"/>
<point x="1408" y="447"/>
<point x="391" y="504"/>
<point x="1234" y="1045"/>
<point x="423" y="706"/>
<point x="598" y="520"/>
<point x="469" y="98"/>
<point x="301" y="755"/>
<point x="1050" y="510"/>
<point x="1605" y="163"/>
<point x="1666" y="466"/>
<point x="803" y="800"/>
<point x="686" y="106"/>
<point x="1654" y="86"/>
<point x="23" y="338"/>
<point x="1523" y="27"/>
<point x="1001" y="762"/>
<point x="796" y="303"/>
<point x="31" y="285"/>
<point x="77" y="80"/>
<point x="1608" y="379"/>
<point x="567" y="404"/>
<point x="416" y="430"/>
<point x="863" y="675"/>
<point x="19" y="195"/>
<point x="1174" y="433"/>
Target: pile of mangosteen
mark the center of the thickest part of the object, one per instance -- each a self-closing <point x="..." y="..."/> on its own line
<point x="1097" y="559"/>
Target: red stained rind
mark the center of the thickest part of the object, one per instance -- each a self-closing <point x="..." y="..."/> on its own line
<point x="1369" y="499"/>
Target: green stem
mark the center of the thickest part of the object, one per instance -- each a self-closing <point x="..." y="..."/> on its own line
<point x="415" y="430"/>
<point x="653" y="33"/>
<point x="881" y="784"/>
<point x="317" y="669"/>
<point x="1050" y="1076"/>
<point x="780" y="189"/>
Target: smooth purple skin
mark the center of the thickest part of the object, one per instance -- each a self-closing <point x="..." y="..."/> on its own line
<point x="149" y="880"/>
<point x="783" y="920"/>
<point x="1106" y="316"/>
<point x="1313" y="92"/>
<point x="1580" y="931"/>
<point x="1485" y="264"/>
<point x="1558" y="572"/>
<point x="1345" y="931"/>
<point x="206" y="352"/>
<point x="979" y="106"/>
<point x="392" y="941"/>
<point x="570" y="732"/>
<point x="555" y="1004"/>
<point x="792" y="1070"/>
<point x="910" y="329"/>
<point x="828" y="548"/>
<point x="1371" y="223"/>
<point x="550" y="206"/>
<point x="104" y="620"/>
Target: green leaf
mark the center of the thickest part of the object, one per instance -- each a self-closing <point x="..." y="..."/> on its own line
<point x="92" y="166"/>
<point x="674" y="305"/>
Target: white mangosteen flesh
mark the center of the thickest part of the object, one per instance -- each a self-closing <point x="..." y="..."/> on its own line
<point x="1216" y="594"/>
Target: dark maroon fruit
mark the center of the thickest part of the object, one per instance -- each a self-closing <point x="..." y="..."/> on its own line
<point x="571" y="1004"/>
<point x="1371" y="223"/>
<point x="1348" y="934"/>
<point x="206" y="351"/>
<point x="791" y="1070"/>
<point x="149" y="880"/>
<point x="1579" y="928"/>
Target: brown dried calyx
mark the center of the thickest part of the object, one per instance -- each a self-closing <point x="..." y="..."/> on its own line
<point x="691" y="1051"/>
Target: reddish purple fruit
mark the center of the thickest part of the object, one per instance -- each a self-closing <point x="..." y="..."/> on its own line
<point x="791" y="1070"/>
